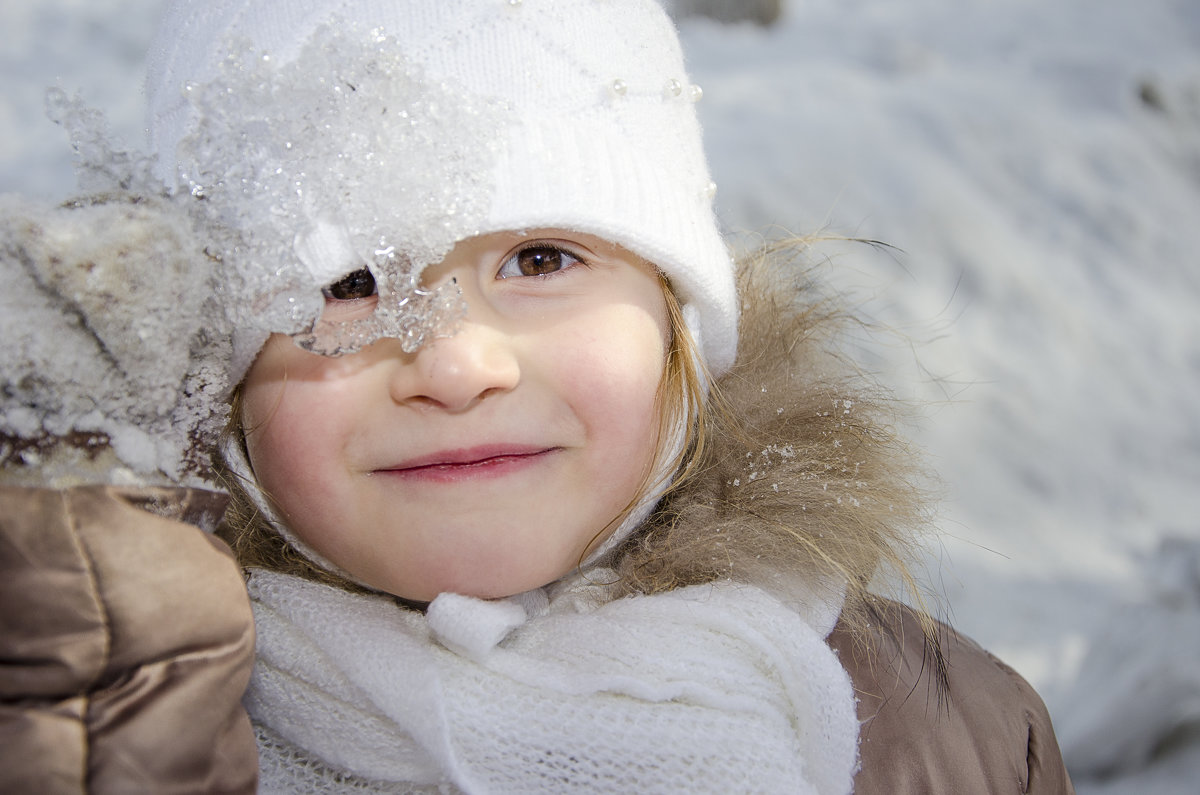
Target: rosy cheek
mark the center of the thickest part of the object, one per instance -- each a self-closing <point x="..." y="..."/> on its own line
<point x="284" y="437"/>
<point x="614" y="381"/>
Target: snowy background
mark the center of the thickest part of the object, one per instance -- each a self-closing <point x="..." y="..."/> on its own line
<point x="1037" y="163"/>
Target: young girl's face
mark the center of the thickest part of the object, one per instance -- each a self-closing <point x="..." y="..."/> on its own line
<point x="489" y="462"/>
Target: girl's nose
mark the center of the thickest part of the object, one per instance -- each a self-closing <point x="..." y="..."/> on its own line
<point x="454" y="373"/>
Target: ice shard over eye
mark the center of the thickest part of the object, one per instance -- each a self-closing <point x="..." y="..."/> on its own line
<point x="359" y="284"/>
<point x="306" y="181"/>
<point x="382" y="300"/>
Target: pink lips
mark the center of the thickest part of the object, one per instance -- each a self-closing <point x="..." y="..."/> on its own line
<point x="449" y="466"/>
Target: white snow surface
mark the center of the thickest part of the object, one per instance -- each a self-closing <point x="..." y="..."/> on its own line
<point x="1037" y="166"/>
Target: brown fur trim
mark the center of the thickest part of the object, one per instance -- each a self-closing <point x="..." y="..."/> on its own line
<point x="803" y="477"/>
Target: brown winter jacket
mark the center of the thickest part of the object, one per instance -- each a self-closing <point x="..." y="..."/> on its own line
<point x="987" y="731"/>
<point x="126" y="641"/>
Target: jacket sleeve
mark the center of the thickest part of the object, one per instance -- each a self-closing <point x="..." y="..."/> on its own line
<point x="982" y="729"/>
<point x="126" y="641"/>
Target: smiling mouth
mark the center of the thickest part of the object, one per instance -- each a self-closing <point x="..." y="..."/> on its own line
<point x="456" y="465"/>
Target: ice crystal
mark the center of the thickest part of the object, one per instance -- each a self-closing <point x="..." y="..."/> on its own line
<point x="314" y="169"/>
<point x="100" y="166"/>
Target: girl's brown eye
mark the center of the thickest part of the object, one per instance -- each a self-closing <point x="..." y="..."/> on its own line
<point x="541" y="260"/>
<point x="359" y="284"/>
<point x="538" y="261"/>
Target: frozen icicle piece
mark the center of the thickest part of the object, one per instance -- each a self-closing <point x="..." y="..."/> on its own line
<point x="304" y="171"/>
<point x="405" y="311"/>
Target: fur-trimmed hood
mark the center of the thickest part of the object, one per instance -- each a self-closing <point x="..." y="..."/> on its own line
<point x="802" y="474"/>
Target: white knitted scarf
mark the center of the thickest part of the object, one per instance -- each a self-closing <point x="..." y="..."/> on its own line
<point x="715" y="688"/>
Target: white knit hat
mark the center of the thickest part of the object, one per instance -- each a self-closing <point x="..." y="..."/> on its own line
<point x="439" y="119"/>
